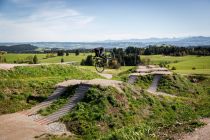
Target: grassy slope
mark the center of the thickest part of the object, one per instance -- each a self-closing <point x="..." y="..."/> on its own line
<point x="198" y="91"/>
<point x="179" y="85"/>
<point x="105" y="113"/>
<point x="23" y="87"/>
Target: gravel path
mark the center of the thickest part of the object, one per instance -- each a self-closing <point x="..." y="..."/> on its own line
<point x="202" y="133"/>
<point x="17" y="126"/>
<point x="107" y="76"/>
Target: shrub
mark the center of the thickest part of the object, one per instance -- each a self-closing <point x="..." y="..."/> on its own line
<point x="173" y="68"/>
<point x="60" y="53"/>
<point x="67" y="53"/>
<point x="113" y="64"/>
<point x="2" y="59"/>
<point x="77" y="52"/>
<point x="35" y="59"/>
<point x="193" y="68"/>
<point x="62" y="60"/>
<point x="88" y="61"/>
<point x="50" y="55"/>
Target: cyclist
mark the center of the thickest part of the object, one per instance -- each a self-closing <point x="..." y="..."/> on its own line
<point x="99" y="52"/>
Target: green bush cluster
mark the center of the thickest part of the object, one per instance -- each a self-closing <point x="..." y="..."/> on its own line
<point x="144" y="81"/>
<point x="178" y="85"/>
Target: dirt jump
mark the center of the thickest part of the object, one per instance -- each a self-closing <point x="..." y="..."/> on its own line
<point x="25" y="125"/>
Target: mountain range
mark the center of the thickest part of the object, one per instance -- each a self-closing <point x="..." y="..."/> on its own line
<point x="184" y="41"/>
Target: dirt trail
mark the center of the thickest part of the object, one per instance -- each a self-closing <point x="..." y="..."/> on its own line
<point x="19" y="127"/>
<point x="11" y="66"/>
<point x="202" y="133"/>
<point x="107" y="76"/>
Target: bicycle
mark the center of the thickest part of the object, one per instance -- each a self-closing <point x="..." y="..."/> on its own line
<point x="101" y="62"/>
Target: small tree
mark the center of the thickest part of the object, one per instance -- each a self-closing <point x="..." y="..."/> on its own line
<point x="35" y="59"/>
<point x="173" y="68"/>
<point x="88" y="61"/>
<point x="62" y="60"/>
<point x="2" y="59"/>
<point x="77" y="52"/>
<point x="82" y="62"/>
<point x="60" y="53"/>
<point x="113" y="64"/>
<point x="67" y="53"/>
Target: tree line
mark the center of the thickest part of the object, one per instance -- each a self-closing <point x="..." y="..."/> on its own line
<point x="120" y="57"/>
<point x="175" y="51"/>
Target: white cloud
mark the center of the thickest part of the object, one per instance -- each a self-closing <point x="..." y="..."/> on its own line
<point x="48" y="22"/>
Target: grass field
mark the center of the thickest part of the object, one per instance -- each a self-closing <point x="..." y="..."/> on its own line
<point x="11" y="57"/>
<point x="183" y="64"/>
<point x="71" y="57"/>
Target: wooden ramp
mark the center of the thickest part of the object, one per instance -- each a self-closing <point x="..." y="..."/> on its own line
<point x="153" y="87"/>
<point x="79" y="95"/>
<point x="46" y="103"/>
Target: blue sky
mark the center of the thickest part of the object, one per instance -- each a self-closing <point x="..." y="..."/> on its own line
<point x="93" y="20"/>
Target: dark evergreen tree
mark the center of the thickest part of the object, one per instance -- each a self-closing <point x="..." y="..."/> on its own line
<point x="35" y="59"/>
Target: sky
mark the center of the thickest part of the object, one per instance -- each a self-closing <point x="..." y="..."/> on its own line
<point x="95" y="20"/>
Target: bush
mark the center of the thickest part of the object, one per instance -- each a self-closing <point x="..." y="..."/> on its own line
<point x="77" y="52"/>
<point x="113" y="64"/>
<point x="62" y="60"/>
<point x="2" y="59"/>
<point x="35" y="59"/>
<point x="50" y="55"/>
<point x="193" y="68"/>
<point x="145" y="61"/>
<point x="67" y="53"/>
<point x="60" y="53"/>
<point x="173" y="68"/>
<point x="88" y="61"/>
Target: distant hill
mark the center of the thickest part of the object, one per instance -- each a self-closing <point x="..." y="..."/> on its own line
<point x="182" y="42"/>
<point x="18" y="48"/>
<point x="188" y="41"/>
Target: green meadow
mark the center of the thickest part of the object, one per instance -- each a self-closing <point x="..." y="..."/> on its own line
<point x="11" y="57"/>
<point x="184" y="64"/>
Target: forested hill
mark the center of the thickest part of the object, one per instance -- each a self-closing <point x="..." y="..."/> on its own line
<point x="18" y="48"/>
